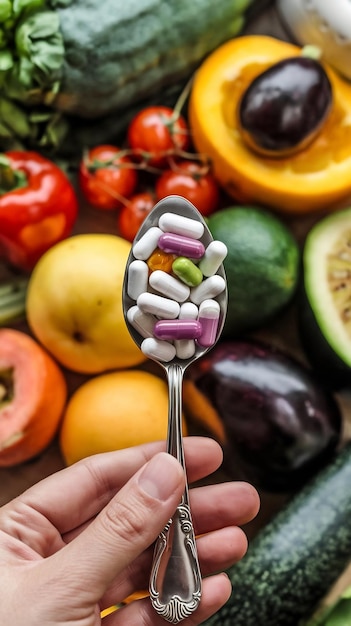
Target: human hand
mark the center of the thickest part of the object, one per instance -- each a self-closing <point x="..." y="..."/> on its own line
<point x="81" y="540"/>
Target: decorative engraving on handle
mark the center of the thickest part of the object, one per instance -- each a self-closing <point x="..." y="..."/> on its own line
<point x="176" y="608"/>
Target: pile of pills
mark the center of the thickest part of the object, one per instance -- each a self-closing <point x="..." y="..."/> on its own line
<point x="173" y="283"/>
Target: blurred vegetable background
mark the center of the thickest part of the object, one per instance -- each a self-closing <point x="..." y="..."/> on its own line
<point x="97" y="123"/>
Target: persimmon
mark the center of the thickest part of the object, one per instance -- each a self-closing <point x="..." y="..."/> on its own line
<point x="33" y="394"/>
<point x="316" y="178"/>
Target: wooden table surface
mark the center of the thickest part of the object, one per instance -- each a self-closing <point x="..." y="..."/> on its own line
<point x="283" y="333"/>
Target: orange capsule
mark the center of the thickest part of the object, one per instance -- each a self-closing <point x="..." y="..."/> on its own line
<point x="160" y="260"/>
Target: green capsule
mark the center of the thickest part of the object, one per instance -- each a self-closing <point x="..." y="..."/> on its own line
<point x="187" y="271"/>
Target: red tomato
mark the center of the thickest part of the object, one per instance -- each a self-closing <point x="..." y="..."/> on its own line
<point x="106" y="178"/>
<point x="158" y="130"/>
<point x="133" y="214"/>
<point x="190" y="180"/>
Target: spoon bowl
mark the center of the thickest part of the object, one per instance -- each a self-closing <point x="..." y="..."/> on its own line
<point x="175" y="581"/>
<point x="179" y="206"/>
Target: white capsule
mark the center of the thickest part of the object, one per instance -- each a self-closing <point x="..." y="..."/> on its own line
<point x="209" y="309"/>
<point x="169" y="285"/>
<point x="138" y="278"/>
<point x="158" y="349"/>
<point x="185" y="348"/>
<point x="188" y="311"/>
<point x="215" y="254"/>
<point x="142" y="322"/>
<point x="209" y="313"/>
<point x="174" y="223"/>
<point x="143" y="248"/>
<point x="209" y="288"/>
<point x="158" y="305"/>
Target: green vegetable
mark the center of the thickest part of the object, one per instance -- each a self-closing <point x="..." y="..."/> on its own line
<point x="12" y="301"/>
<point x="262" y="265"/>
<point x="89" y="59"/>
<point x="337" y="614"/>
<point x="325" y="311"/>
<point x="293" y="561"/>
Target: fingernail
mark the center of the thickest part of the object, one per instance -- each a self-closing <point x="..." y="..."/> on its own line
<point x="161" y="476"/>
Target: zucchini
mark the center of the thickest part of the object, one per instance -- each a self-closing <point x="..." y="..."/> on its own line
<point x="92" y="58"/>
<point x="293" y="561"/>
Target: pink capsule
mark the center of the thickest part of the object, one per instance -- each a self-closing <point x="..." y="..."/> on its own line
<point x="177" y="329"/>
<point x="182" y="246"/>
<point x="209" y="311"/>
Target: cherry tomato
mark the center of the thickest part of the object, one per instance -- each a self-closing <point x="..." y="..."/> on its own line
<point x="157" y="130"/>
<point x="106" y="177"/>
<point x="190" y="180"/>
<point x="133" y="214"/>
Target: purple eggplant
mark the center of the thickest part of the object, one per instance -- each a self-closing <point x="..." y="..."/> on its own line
<point x="281" y="426"/>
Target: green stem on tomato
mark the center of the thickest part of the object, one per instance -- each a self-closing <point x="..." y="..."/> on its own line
<point x="190" y="156"/>
<point x="183" y="97"/>
<point x="177" y="109"/>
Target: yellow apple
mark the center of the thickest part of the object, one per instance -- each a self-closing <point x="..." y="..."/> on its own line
<point x="74" y="304"/>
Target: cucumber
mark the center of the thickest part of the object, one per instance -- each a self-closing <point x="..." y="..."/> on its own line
<point x="294" y="560"/>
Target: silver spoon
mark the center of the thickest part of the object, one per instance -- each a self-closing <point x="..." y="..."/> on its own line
<point x="175" y="581"/>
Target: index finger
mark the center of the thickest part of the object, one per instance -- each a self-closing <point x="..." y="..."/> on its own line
<point x="77" y="493"/>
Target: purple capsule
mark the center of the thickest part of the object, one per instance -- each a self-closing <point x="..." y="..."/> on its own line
<point x="177" y="329"/>
<point x="182" y="246"/>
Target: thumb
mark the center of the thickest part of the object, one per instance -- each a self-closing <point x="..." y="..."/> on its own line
<point x="125" y="527"/>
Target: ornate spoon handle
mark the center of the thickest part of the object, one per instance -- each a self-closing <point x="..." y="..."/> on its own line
<point x="175" y="582"/>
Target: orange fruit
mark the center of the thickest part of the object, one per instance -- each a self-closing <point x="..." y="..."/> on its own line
<point x="114" y="411"/>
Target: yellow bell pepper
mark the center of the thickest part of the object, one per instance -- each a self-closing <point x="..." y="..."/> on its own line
<point x="317" y="178"/>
